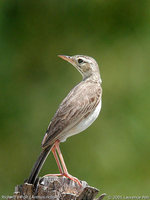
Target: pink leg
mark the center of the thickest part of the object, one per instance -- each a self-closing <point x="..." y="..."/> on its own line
<point x="63" y="172"/>
<point x="66" y="174"/>
<point x="61" y="157"/>
<point x="57" y="159"/>
<point x="58" y="163"/>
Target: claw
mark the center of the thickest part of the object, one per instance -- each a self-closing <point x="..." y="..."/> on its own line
<point x="72" y="178"/>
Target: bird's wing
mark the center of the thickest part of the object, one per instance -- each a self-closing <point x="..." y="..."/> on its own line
<point x="80" y="102"/>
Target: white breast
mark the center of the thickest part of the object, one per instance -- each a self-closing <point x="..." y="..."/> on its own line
<point x="84" y="124"/>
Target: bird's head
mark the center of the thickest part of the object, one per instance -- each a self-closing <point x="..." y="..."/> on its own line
<point x="86" y="65"/>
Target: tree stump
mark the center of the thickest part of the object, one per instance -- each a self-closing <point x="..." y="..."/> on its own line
<point x="55" y="188"/>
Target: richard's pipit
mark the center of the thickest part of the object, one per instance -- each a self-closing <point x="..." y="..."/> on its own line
<point x="76" y="113"/>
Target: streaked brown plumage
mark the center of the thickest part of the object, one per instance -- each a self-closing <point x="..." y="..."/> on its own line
<point x="79" y="103"/>
<point x="76" y="112"/>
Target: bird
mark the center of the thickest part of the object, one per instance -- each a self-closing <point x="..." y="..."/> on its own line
<point x="77" y="112"/>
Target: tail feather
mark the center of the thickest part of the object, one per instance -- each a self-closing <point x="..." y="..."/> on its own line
<point x="38" y="165"/>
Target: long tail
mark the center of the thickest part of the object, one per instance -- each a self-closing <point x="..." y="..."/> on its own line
<point x="38" y="165"/>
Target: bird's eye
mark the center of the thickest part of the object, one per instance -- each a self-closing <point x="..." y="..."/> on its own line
<point x="80" y="61"/>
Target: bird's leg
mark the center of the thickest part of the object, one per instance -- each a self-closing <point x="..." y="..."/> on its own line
<point x="61" y="157"/>
<point x="63" y="172"/>
<point x="66" y="174"/>
<point x="57" y="161"/>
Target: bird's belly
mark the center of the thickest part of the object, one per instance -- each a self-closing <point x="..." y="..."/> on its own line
<point x="84" y="124"/>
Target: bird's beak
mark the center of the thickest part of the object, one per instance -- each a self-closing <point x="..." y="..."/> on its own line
<point x="67" y="58"/>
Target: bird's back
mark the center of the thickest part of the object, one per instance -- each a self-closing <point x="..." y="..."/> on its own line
<point x="75" y="108"/>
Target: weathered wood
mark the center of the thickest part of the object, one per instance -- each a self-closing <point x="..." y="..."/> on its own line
<point x="55" y="188"/>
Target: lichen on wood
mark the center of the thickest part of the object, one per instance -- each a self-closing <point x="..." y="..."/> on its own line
<point x="55" y="188"/>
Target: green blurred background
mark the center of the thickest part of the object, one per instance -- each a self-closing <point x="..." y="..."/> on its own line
<point x="114" y="153"/>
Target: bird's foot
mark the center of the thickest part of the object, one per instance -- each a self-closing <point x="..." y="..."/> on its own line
<point x="53" y="175"/>
<point x="72" y="178"/>
<point x="67" y="176"/>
